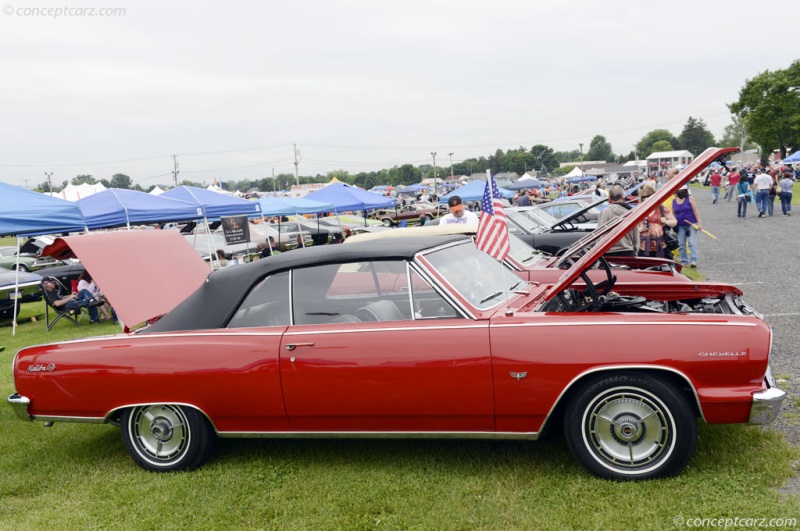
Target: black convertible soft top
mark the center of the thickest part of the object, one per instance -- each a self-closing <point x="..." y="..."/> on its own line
<point x="213" y="303"/>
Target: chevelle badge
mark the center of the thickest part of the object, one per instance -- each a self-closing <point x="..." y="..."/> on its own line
<point x="721" y="354"/>
<point x="40" y="367"/>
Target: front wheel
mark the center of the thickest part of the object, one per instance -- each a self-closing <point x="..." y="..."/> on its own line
<point x="165" y="438"/>
<point x="631" y="427"/>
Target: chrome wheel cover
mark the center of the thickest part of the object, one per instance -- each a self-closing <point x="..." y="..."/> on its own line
<point x="628" y="430"/>
<point x="161" y="433"/>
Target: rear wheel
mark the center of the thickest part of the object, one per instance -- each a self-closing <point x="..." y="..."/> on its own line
<point x="164" y="438"/>
<point x="387" y="222"/>
<point x="631" y="426"/>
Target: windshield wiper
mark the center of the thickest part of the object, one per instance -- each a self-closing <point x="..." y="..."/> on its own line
<point x="492" y="296"/>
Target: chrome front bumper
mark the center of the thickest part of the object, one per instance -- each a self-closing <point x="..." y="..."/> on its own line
<point x="20" y="405"/>
<point x="766" y="405"/>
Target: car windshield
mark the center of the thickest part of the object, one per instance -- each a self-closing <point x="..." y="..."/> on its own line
<point x="540" y="216"/>
<point x="527" y="224"/>
<point x="475" y="275"/>
<point x="522" y="252"/>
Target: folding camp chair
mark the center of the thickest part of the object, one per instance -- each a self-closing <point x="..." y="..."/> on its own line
<point x="72" y="316"/>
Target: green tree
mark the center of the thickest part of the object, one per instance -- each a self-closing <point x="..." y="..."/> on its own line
<point x="661" y="145"/>
<point x="769" y="105"/>
<point x="120" y="180"/>
<point x="542" y="155"/>
<point x="695" y="136"/>
<point x="735" y="135"/>
<point x="81" y="179"/>
<point x="568" y="156"/>
<point x="600" y="149"/>
<point x="645" y="146"/>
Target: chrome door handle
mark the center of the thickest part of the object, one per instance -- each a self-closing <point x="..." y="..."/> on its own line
<point x="291" y="346"/>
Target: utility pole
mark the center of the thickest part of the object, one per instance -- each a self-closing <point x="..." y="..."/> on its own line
<point x="433" y="154"/>
<point x="49" y="181"/>
<point x="175" y="170"/>
<point x="274" y="190"/>
<point x="26" y="184"/>
<point x="582" y="173"/>
<point x="297" y="159"/>
<point x="451" y="166"/>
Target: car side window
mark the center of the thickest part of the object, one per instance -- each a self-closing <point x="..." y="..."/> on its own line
<point x="267" y="304"/>
<point x="427" y="303"/>
<point x="351" y="292"/>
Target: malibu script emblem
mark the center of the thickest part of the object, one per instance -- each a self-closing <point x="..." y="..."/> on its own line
<point x="518" y="375"/>
<point x="40" y="367"/>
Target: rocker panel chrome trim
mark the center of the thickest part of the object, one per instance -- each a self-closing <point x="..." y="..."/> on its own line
<point x="531" y="436"/>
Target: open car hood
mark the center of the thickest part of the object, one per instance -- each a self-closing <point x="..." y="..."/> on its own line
<point x="594" y="245"/>
<point x="143" y="274"/>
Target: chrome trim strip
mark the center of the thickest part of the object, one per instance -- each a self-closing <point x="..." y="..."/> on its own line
<point x="608" y="368"/>
<point x="623" y="323"/>
<point x="20" y="406"/>
<point x="394" y="329"/>
<point x="531" y="436"/>
<point x="83" y="420"/>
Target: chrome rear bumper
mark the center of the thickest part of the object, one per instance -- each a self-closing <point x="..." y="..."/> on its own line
<point x="766" y="405"/>
<point x="20" y="406"/>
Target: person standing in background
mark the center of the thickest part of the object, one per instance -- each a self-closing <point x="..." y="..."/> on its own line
<point x="716" y="181"/>
<point x="763" y="182"/>
<point x="786" y="193"/>
<point x="742" y="197"/>
<point x="730" y="189"/>
<point x="685" y="211"/>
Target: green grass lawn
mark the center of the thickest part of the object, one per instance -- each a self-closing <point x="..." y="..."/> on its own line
<point x="76" y="476"/>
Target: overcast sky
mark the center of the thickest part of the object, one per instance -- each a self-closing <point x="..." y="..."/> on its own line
<point x="229" y="87"/>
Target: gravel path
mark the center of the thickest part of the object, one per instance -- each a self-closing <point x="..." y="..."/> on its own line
<point x="761" y="257"/>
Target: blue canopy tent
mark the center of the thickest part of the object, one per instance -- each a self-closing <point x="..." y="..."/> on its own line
<point x="346" y="197"/>
<point x="794" y="158"/>
<point x="284" y="206"/>
<point x="26" y="213"/>
<point x="116" y="207"/>
<point x="473" y="191"/>
<point x="582" y="179"/>
<point x="213" y="203"/>
<point x="525" y="184"/>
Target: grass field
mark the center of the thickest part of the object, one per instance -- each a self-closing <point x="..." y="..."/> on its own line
<point x="78" y="476"/>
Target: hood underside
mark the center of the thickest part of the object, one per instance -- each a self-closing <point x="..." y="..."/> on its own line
<point x="143" y="274"/>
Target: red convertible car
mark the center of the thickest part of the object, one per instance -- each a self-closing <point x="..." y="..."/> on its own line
<point x="420" y="337"/>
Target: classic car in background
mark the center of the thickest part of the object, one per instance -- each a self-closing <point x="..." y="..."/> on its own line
<point x="28" y="290"/>
<point x="410" y="213"/>
<point x="206" y="244"/>
<point x="420" y="337"/>
<point x="27" y="261"/>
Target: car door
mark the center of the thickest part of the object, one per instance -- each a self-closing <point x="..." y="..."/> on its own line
<point x="384" y="356"/>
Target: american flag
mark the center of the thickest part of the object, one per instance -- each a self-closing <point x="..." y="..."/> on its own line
<point x="492" y="237"/>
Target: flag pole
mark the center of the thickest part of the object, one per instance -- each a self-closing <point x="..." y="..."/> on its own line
<point x="490" y="187"/>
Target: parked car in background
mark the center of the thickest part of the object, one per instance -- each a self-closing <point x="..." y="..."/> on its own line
<point x="28" y="290"/>
<point x="565" y="207"/>
<point x="27" y="261"/>
<point x="206" y="245"/>
<point x="410" y="213"/>
<point x="321" y="233"/>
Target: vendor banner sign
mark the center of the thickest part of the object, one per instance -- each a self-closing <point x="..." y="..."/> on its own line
<point x="236" y="229"/>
